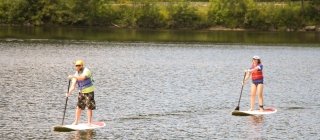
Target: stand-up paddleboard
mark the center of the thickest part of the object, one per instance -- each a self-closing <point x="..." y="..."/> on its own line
<point x="81" y="126"/>
<point x="268" y="110"/>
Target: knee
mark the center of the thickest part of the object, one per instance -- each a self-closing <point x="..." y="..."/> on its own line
<point x="253" y="94"/>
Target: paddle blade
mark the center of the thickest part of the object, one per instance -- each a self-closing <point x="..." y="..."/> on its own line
<point x="61" y="128"/>
<point x="237" y="108"/>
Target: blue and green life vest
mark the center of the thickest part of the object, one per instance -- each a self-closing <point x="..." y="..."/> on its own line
<point x="86" y="85"/>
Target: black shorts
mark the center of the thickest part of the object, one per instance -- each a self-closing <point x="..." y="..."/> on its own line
<point x="86" y="100"/>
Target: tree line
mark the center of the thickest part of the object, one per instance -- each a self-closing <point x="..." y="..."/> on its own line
<point x="163" y="14"/>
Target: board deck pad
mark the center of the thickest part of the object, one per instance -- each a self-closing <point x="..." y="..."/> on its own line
<point x="81" y="126"/>
<point x="268" y="110"/>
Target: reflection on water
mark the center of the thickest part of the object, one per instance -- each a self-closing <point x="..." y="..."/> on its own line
<point x="82" y="135"/>
<point x="256" y="120"/>
<point x="158" y="91"/>
<point x="257" y="123"/>
<point x="125" y="35"/>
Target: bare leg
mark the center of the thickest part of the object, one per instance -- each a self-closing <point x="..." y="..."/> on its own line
<point x="78" y="113"/>
<point x="89" y="114"/>
<point x="260" y="95"/>
<point x="253" y="96"/>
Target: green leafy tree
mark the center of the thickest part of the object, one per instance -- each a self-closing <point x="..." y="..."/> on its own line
<point x="184" y="16"/>
<point x="290" y="17"/>
<point x="11" y="11"/>
<point x="262" y="17"/>
<point x="230" y="13"/>
<point x="151" y="17"/>
<point x="125" y="15"/>
<point x="312" y="12"/>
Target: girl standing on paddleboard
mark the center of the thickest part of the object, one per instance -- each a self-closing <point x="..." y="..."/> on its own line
<point x="257" y="82"/>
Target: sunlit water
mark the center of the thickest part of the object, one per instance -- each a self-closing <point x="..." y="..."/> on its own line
<point x="159" y="91"/>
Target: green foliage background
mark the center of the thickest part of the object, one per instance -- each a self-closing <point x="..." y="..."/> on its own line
<point x="163" y="14"/>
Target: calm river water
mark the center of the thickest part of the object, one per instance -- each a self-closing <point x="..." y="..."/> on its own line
<point x="159" y="90"/>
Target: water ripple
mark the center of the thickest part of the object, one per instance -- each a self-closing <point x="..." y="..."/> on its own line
<point x="158" y="91"/>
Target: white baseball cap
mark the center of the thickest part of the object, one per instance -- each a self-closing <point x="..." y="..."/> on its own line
<point x="256" y="57"/>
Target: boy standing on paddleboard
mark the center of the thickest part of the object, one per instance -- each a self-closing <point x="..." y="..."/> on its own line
<point x="83" y="79"/>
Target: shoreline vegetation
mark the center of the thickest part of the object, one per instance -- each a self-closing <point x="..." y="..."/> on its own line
<point x="235" y="15"/>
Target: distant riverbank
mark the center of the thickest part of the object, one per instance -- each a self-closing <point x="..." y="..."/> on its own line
<point x="214" y="15"/>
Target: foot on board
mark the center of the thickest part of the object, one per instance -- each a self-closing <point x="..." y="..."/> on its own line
<point x="261" y="109"/>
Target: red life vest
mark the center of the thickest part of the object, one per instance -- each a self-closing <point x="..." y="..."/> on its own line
<point x="257" y="74"/>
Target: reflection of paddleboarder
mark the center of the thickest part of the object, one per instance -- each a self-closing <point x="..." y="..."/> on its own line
<point x="84" y="81"/>
<point x="257" y="123"/>
<point x="256" y="120"/>
<point x="257" y="82"/>
<point x="87" y="135"/>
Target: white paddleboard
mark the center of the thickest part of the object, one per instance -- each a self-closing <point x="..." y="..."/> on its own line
<point x="81" y="126"/>
<point x="268" y="110"/>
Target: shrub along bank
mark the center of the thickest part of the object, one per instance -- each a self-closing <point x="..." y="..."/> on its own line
<point x="247" y="14"/>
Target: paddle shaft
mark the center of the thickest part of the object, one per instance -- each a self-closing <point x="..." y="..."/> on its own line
<point x="238" y="107"/>
<point x="65" y="107"/>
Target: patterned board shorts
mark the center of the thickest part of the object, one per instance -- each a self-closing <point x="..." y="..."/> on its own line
<point x="86" y="100"/>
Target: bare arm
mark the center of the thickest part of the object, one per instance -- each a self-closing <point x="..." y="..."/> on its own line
<point x="72" y="86"/>
<point x="248" y="73"/>
<point x="79" y="78"/>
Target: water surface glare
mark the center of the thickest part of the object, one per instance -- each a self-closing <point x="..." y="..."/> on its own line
<point x="159" y="91"/>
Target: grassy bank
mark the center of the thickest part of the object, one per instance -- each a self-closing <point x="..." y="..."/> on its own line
<point x="230" y="14"/>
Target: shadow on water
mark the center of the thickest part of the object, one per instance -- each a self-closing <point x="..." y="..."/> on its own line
<point x="295" y="108"/>
<point x="300" y="107"/>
